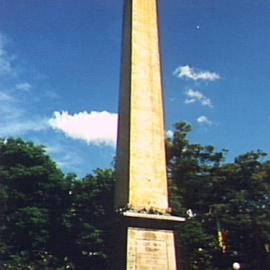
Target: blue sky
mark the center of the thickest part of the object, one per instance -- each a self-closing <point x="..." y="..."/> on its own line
<point x="59" y="74"/>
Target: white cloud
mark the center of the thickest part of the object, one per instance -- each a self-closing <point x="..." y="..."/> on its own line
<point x="196" y="96"/>
<point x="24" y="86"/>
<point x="98" y="128"/>
<point x="187" y="72"/>
<point x="5" y="59"/>
<point x="203" y="120"/>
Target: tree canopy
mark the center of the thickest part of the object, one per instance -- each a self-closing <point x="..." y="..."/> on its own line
<point x="228" y="204"/>
<point x="49" y="220"/>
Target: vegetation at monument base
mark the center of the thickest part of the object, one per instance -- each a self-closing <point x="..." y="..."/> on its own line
<point x="49" y="220"/>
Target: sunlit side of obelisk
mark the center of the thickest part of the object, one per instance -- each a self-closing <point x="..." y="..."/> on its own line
<point x="141" y="193"/>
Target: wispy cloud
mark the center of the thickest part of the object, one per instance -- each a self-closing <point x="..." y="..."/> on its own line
<point x="196" y="96"/>
<point x="5" y="58"/>
<point x="16" y="120"/>
<point x="24" y="86"/>
<point x="203" y="120"/>
<point x="5" y="97"/>
<point x="51" y="94"/>
<point x="187" y="72"/>
<point x="21" y="127"/>
<point x="98" y="128"/>
<point x="69" y="161"/>
<point x="64" y="156"/>
<point x="52" y="149"/>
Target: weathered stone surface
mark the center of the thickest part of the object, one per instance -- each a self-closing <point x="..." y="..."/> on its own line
<point x="150" y="249"/>
<point x="141" y="165"/>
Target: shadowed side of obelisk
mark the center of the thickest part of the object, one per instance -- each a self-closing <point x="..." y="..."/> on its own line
<point x="123" y="132"/>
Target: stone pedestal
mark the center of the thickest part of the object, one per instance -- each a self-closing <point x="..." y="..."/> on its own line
<point x="148" y="241"/>
<point x="150" y="249"/>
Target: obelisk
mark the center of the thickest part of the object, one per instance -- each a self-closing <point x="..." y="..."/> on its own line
<point x="141" y="192"/>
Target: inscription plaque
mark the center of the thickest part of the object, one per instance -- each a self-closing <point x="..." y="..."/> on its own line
<point x="152" y="254"/>
<point x="150" y="249"/>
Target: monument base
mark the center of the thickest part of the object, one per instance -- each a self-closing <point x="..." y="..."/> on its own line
<point x="145" y="242"/>
<point x="150" y="249"/>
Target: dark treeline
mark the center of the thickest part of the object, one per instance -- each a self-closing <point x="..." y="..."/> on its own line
<point x="49" y="220"/>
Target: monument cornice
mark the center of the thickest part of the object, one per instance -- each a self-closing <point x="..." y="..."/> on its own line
<point x="160" y="217"/>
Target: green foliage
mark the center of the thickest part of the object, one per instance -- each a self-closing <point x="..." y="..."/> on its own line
<point x="49" y="220"/>
<point x="235" y="195"/>
<point x="31" y="193"/>
<point x="86" y="219"/>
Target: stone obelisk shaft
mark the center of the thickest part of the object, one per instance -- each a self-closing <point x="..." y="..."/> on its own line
<point x="141" y="165"/>
<point x="144" y="230"/>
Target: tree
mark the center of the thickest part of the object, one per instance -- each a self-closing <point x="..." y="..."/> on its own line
<point x="32" y="195"/>
<point x="54" y="221"/>
<point x="226" y="200"/>
<point x="190" y="167"/>
<point x="244" y="209"/>
<point x="86" y="221"/>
